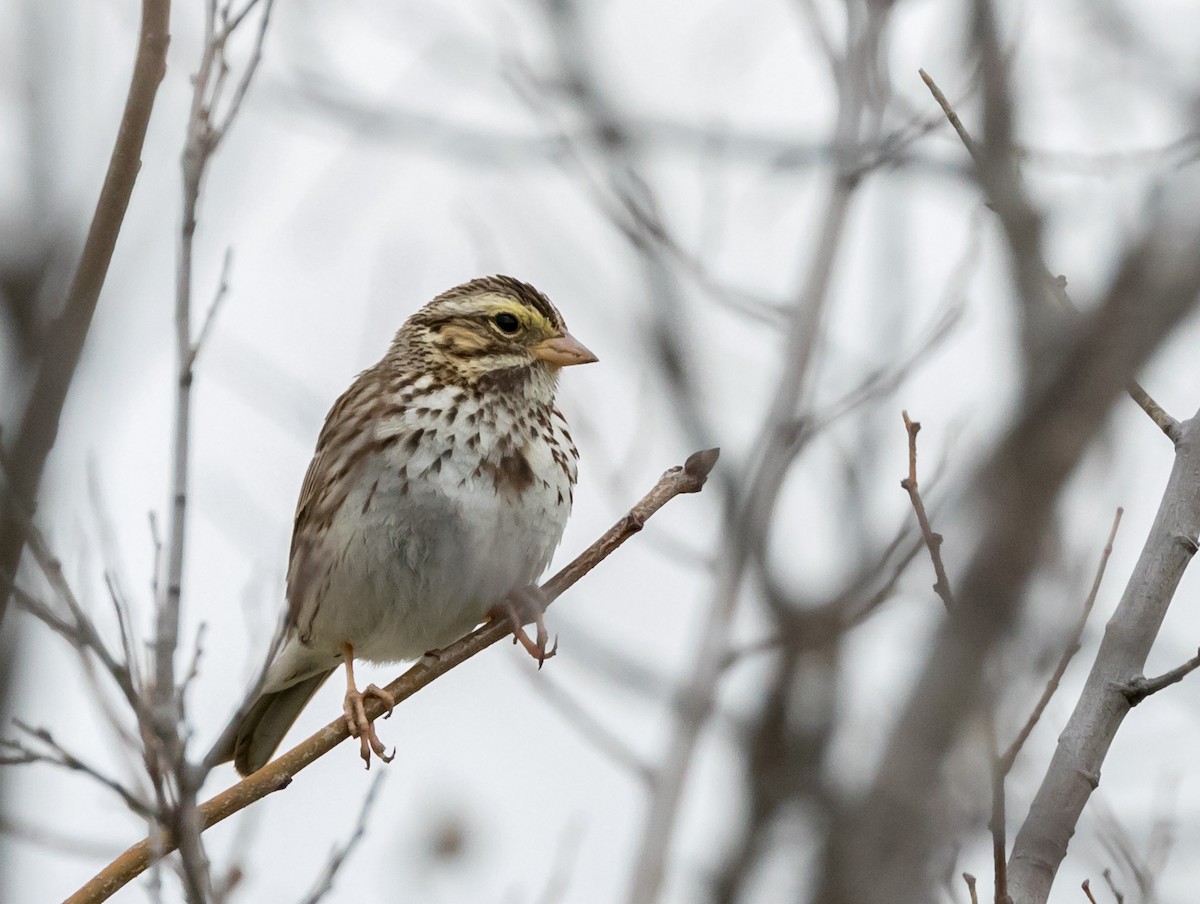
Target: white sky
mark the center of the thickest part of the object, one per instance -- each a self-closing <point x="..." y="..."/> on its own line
<point x="339" y="235"/>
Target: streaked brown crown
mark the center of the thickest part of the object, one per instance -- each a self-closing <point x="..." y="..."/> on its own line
<point x="493" y="327"/>
<point x="499" y="284"/>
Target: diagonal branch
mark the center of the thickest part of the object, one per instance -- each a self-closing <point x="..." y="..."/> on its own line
<point x="1002" y="763"/>
<point x="66" y="335"/>
<point x="57" y="755"/>
<point x="1009" y="757"/>
<point x="277" y="775"/>
<point x="878" y="847"/>
<point x="1057" y="284"/>
<point x="337" y="858"/>
<point x="1074" y="770"/>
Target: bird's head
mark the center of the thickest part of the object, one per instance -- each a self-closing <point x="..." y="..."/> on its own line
<point x="494" y="330"/>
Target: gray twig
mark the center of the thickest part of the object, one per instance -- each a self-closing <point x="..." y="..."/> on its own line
<point x="337" y="858"/>
<point x="57" y="755"/>
<point x="1138" y="689"/>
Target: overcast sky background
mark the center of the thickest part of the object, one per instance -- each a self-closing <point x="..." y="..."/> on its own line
<point x="341" y="225"/>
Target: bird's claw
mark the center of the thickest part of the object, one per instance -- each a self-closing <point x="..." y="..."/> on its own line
<point x="363" y="728"/>
<point x="528" y="605"/>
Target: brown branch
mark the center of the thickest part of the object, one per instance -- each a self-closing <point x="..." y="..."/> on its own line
<point x="66" y="335"/>
<point x="970" y="880"/>
<point x="1140" y="688"/>
<point x="932" y="540"/>
<point x="1057" y="284"/>
<point x="1010" y="755"/>
<point x="278" y="774"/>
<point x="1087" y="890"/>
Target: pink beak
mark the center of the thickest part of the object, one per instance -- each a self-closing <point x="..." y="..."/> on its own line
<point x="563" y="351"/>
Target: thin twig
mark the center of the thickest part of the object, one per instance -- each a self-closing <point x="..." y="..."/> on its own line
<point x="166" y="751"/>
<point x="1001" y="764"/>
<point x="211" y="315"/>
<point x="197" y="654"/>
<point x="243" y="85"/>
<point x="202" y="141"/>
<point x="337" y="858"/>
<point x="1107" y="874"/>
<point x="998" y="824"/>
<point x="933" y="541"/>
<point x="948" y="109"/>
<point x="1010" y="755"/>
<point x="1087" y="890"/>
<point x="278" y="774"/>
<point x="157" y="543"/>
<point x="81" y="631"/>
<point x="1157" y="413"/>
<point x="559" y="881"/>
<point x="1058" y="285"/>
<point x="1140" y="688"/>
<point x="59" y="756"/>
<point x="230" y="21"/>
<point x="970" y="880"/>
<point x="52" y="838"/>
<point x="587" y="725"/>
<point x="749" y="517"/>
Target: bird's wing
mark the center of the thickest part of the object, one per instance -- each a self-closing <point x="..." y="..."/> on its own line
<point x="346" y="438"/>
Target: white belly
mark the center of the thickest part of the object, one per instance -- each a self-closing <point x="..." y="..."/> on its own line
<point x="415" y="558"/>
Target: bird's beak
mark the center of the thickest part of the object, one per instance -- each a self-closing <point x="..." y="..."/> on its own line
<point x="563" y="351"/>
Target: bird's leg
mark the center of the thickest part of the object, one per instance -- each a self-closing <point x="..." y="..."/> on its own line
<point x="356" y="716"/>
<point x="527" y="604"/>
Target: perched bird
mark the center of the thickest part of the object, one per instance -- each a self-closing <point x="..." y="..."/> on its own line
<point x="440" y="487"/>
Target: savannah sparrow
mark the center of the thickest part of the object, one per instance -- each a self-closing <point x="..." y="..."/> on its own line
<point x="439" y="489"/>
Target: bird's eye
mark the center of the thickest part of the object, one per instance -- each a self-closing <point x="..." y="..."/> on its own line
<point x="508" y="323"/>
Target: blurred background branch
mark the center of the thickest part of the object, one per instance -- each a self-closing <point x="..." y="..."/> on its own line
<point x="775" y="242"/>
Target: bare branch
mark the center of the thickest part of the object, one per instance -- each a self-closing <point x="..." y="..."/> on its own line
<point x="203" y="139"/>
<point x="933" y="541"/>
<point x="1073" y="773"/>
<point x="1140" y="688"/>
<point x="278" y="774"/>
<point x="57" y="755"/>
<point x="211" y="316"/>
<point x="1167" y="424"/>
<point x="324" y="884"/>
<point x="1010" y="755"/>
<point x="1057" y="284"/>
<point x="1120" y="898"/>
<point x="970" y="880"/>
<point x="591" y="728"/>
<point x="80" y="630"/>
<point x="874" y="851"/>
<point x="948" y="109"/>
<point x="251" y="67"/>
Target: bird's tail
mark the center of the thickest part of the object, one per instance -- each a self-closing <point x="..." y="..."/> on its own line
<point x="266" y="722"/>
